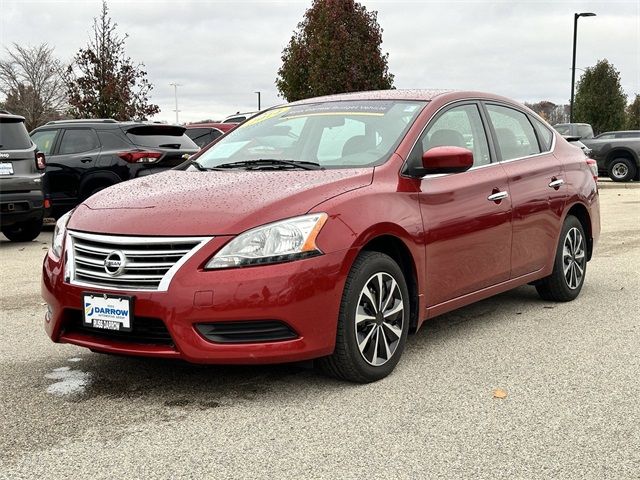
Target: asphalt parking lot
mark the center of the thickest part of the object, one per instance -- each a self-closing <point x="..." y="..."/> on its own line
<point x="570" y="371"/>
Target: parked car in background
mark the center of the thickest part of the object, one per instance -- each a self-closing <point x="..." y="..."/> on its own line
<point x="204" y="133"/>
<point x="618" y="156"/>
<point x="619" y="134"/>
<point x="326" y="229"/>
<point x="23" y="201"/>
<point x="580" y="130"/>
<point x="238" y="117"/>
<point x="577" y="143"/>
<point x="86" y="156"/>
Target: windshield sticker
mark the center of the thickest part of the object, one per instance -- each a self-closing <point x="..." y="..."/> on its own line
<point x="340" y="108"/>
<point x="265" y="116"/>
<point x="225" y="150"/>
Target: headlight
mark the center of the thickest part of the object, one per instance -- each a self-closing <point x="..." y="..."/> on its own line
<point x="277" y="242"/>
<point x="59" y="232"/>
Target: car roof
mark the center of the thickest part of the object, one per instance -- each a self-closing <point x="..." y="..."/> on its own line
<point x="101" y="123"/>
<point x="11" y="117"/>
<point x="218" y="125"/>
<point x="620" y="131"/>
<point x="405" y="94"/>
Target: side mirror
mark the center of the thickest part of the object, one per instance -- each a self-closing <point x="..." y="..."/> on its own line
<point x="447" y="160"/>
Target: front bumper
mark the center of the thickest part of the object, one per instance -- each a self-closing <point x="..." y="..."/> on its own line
<point x="304" y="294"/>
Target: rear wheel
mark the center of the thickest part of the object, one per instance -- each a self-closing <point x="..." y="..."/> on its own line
<point x="622" y="170"/>
<point x="566" y="280"/>
<point x="23" y="231"/>
<point x="373" y="322"/>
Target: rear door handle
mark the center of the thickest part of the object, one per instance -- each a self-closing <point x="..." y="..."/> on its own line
<point x="85" y="160"/>
<point x="556" y="183"/>
<point x="496" y="197"/>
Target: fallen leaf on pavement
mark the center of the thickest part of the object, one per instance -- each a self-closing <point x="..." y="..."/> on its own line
<point x="499" y="393"/>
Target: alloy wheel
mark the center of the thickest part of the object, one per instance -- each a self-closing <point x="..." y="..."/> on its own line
<point x="620" y="170"/>
<point x="379" y="319"/>
<point x="573" y="258"/>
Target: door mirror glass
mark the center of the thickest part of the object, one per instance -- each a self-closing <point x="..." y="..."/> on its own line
<point x="447" y="160"/>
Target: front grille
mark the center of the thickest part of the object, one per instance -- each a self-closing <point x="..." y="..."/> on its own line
<point x="148" y="331"/>
<point x="246" y="332"/>
<point x="149" y="262"/>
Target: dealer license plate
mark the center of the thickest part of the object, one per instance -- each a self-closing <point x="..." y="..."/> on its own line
<point x="6" y="168"/>
<point x="107" y="312"/>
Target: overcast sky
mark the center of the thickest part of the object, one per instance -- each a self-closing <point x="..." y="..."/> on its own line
<point x="223" y="51"/>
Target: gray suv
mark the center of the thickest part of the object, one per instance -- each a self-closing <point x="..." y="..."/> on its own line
<point x="22" y="181"/>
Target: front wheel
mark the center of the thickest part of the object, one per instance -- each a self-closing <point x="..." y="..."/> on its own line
<point x="566" y="280"/>
<point x="622" y="170"/>
<point x="373" y="321"/>
<point x="23" y="231"/>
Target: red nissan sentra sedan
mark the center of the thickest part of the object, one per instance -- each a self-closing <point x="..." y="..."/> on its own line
<point x="326" y="229"/>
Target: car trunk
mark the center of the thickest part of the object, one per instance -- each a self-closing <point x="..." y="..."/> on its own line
<point x="170" y="140"/>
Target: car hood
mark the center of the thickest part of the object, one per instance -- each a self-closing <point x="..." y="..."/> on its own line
<point x="211" y="203"/>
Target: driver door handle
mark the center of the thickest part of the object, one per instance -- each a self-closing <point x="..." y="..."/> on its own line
<point x="85" y="160"/>
<point x="556" y="182"/>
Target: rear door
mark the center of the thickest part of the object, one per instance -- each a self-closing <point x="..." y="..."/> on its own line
<point x="74" y="156"/>
<point x="170" y="140"/>
<point x="467" y="216"/>
<point x="536" y="185"/>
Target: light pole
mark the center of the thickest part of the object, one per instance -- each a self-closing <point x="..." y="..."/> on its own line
<point x="258" y="100"/>
<point x="576" y="16"/>
<point x="175" y="94"/>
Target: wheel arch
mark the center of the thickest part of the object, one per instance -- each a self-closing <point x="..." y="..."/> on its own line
<point x="581" y="212"/>
<point x="397" y="249"/>
<point x="93" y="179"/>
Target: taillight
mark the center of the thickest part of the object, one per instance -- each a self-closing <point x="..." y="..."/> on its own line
<point x="41" y="162"/>
<point x="140" y="156"/>
<point x="593" y="165"/>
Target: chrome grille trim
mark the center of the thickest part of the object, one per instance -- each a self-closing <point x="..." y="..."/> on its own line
<point x="151" y="262"/>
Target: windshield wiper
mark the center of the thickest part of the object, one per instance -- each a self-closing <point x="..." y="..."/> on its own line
<point x="193" y="163"/>
<point x="273" y="162"/>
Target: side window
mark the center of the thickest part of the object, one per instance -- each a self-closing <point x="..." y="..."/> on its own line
<point x="546" y="136"/>
<point x="343" y="140"/>
<point x="111" y="141"/>
<point x="515" y="135"/>
<point x="44" y="140"/>
<point x="78" y="141"/>
<point x="200" y="136"/>
<point x="458" y="127"/>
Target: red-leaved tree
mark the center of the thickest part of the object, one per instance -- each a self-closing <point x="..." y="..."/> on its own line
<point x="336" y="48"/>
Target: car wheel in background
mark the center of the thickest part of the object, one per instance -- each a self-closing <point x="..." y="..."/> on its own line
<point x="622" y="170"/>
<point x="23" y="231"/>
<point x="570" y="267"/>
<point x="373" y="321"/>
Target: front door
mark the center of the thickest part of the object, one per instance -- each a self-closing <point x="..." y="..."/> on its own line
<point x="467" y="216"/>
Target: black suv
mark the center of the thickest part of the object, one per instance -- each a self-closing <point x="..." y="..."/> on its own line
<point x="85" y="156"/>
<point x="22" y="181"/>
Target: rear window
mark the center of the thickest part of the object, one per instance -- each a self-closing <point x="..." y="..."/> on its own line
<point x="14" y="136"/>
<point x="161" y="137"/>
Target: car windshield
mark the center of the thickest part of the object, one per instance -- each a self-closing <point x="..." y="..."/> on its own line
<point x="331" y="134"/>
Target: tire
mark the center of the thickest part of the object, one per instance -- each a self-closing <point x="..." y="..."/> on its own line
<point x="23" y="231"/>
<point x="621" y="170"/>
<point x="348" y="361"/>
<point x="565" y="282"/>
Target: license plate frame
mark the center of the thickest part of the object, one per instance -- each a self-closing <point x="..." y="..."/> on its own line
<point x="107" y="312"/>
<point x="6" y="168"/>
